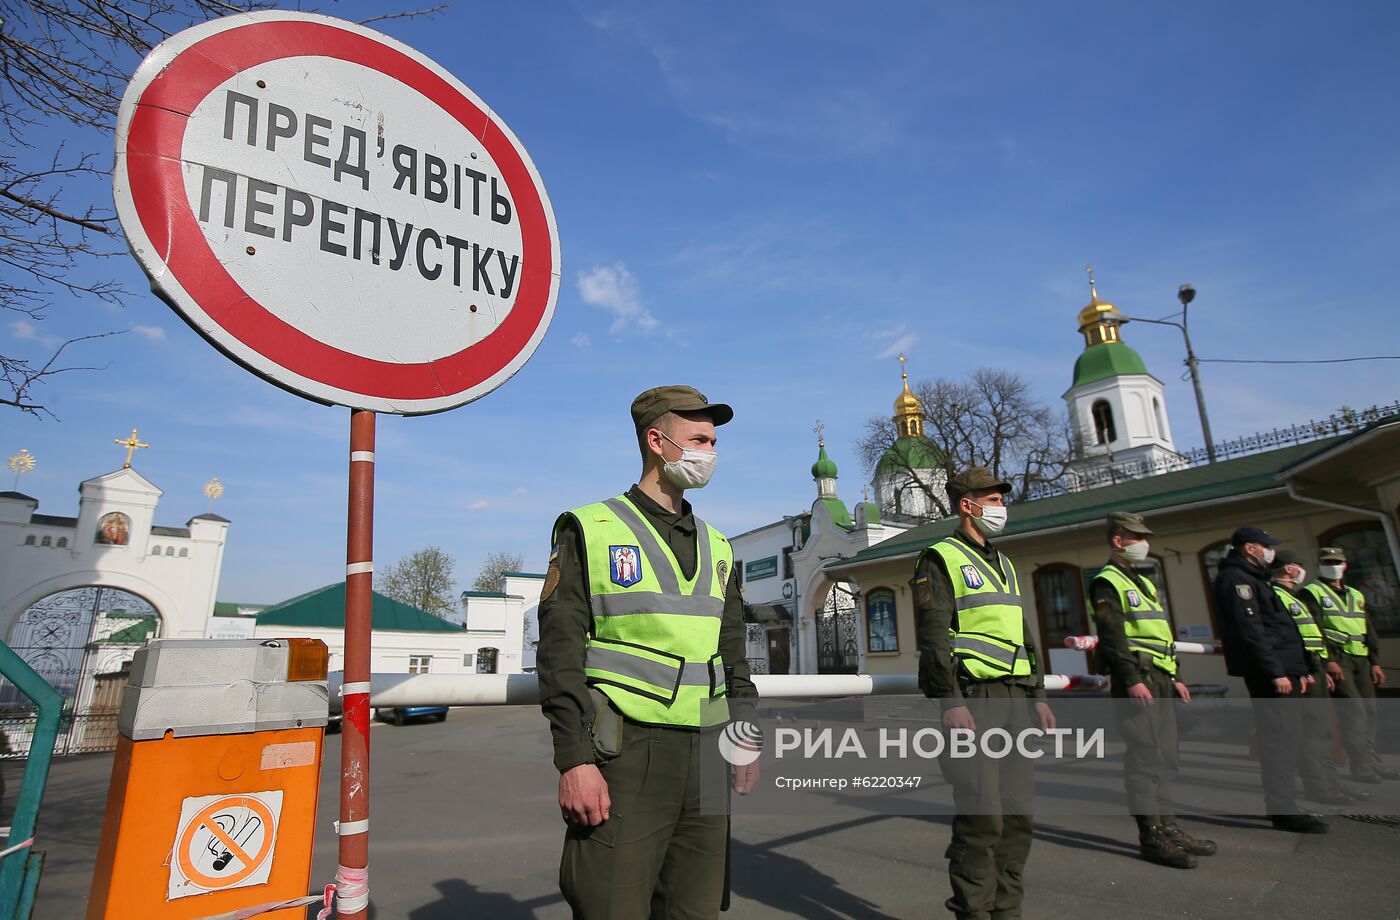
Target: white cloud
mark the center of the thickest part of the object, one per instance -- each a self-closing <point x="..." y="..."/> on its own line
<point x="521" y="491"/>
<point x="151" y="333"/>
<point x="613" y="288"/>
<point x="28" y="332"/>
<point x="478" y="505"/>
<point x="581" y="340"/>
<point x="900" y="339"/>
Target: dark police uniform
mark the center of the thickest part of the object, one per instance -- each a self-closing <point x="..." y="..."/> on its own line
<point x="660" y="854"/>
<point x="993" y="829"/>
<point x="1150" y="760"/>
<point x="1262" y="644"/>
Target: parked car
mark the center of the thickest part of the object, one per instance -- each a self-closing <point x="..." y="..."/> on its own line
<point x="401" y="714"/>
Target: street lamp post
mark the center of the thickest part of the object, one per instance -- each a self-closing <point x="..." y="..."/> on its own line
<point x="1186" y="294"/>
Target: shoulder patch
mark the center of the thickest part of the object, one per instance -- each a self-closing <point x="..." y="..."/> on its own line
<point x="1245" y="591"/>
<point x="551" y="580"/>
<point x="971" y="577"/>
<point x="1134" y="598"/>
<point x="625" y="564"/>
<point x="1327" y="602"/>
<point x="722" y="572"/>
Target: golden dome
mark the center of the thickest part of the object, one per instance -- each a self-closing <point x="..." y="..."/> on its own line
<point x="908" y="411"/>
<point x="1099" y="320"/>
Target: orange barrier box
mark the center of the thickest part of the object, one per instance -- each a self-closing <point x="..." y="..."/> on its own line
<point x="212" y="805"/>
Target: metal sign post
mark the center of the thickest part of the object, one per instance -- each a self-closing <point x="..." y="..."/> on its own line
<point x="342" y="216"/>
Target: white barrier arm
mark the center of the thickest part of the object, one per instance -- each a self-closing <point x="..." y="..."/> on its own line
<point x="1086" y="643"/>
<point x="393" y="690"/>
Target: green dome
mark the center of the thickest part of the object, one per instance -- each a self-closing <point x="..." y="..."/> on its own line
<point x="1107" y="359"/>
<point x="823" y="468"/>
<point x="910" y="453"/>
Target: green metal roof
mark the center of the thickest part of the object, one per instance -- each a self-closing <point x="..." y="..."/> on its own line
<point x="840" y="516"/>
<point x="231" y="608"/>
<point x="1107" y="359"/>
<point x="824" y="468"/>
<point x="325" y="608"/>
<point x="1255" y="473"/>
<point x="910" y="453"/>
<point x="134" y="634"/>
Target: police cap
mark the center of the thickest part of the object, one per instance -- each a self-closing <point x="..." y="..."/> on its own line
<point x="657" y="401"/>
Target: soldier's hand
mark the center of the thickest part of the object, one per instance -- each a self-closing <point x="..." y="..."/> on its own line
<point x="1047" y="716"/>
<point x="746" y="777"/>
<point x="583" y="796"/>
<point x="1139" y="692"/>
<point x="1378" y="675"/>
<point x="1334" y="671"/>
<point x="1331" y="682"/>
<point x="1182" y="691"/>
<point x="1283" y="686"/>
<point x="959" y="717"/>
<point x="1307" y="682"/>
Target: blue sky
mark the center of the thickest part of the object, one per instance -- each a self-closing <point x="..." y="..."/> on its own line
<point x="769" y="201"/>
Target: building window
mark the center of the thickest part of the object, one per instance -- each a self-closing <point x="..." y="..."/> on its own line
<point x="469" y="660"/>
<point x="1369" y="570"/>
<point x="47" y="541"/>
<point x="170" y="551"/>
<point x="881" y="626"/>
<point x="486" y="661"/>
<point x="1059" y="605"/>
<point x="184" y="552"/>
<point x="1157" y="414"/>
<point x="155" y="550"/>
<point x="419" y="664"/>
<point x="1104" y="432"/>
<point x="1211" y="557"/>
<point x="29" y="540"/>
<point x="62" y="542"/>
<point x="739" y="570"/>
<point x="787" y="562"/>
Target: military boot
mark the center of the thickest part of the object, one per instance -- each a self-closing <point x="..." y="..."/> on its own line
<point x="1196" y="846"/>
<point x="1156" y="847"/>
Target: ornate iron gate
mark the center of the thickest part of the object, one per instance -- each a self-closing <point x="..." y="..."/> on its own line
<point x="837" y="651"/>
<point x="60" y="636"/>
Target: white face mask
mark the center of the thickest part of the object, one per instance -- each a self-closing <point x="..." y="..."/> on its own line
<point x="1136" y="552"/>
<point x="1331" y="572"/>
<point x="993" y="519"/>
<point x="1268" y="555"/>
<point x="1302" y="575"/>
<point x="693" y="470"/>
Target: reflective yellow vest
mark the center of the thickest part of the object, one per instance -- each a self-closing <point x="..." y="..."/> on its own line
<point x="988" y="635"/>
<point x="1145" y="622"/>
<point x="654" y="645"/>
<point x="1343" y="621"/>
<point x="1307" y="626"/>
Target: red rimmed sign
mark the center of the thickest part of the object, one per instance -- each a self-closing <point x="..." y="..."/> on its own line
<point x="336" y="212"/>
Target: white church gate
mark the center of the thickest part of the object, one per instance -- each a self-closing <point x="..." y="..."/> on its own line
<point x="837" y="649"/>
<point x="60" y="636"/>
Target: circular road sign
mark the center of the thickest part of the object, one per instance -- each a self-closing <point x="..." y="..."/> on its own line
<point x="335" y="212"/>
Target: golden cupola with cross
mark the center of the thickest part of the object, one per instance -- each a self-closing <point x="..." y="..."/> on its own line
<point x="912" y="466"/>
<point x="908" y="411"/>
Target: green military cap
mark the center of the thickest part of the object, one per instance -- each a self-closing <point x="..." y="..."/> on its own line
<point x="1129" y="522"/>
<point x="976" y="479"/>
<point x="1286" y="557"/>
<point x="657" y="401"/>
<point x="1331" y="554"/>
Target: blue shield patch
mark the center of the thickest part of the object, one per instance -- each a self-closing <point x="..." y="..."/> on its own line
<point x="1327" y="602"/>
<point x="626" y="565"/>
<point x="971" y="577"/>
<point x="1134" y="599"/>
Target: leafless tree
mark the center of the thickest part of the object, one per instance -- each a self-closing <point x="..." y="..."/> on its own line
<point x="492" y="576"/>
<point x="991" y="419"/>
<point x="422" y="579"/>
<point x="63" y="67"/>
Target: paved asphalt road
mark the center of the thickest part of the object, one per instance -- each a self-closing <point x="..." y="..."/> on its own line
<point x="466" y="826"/>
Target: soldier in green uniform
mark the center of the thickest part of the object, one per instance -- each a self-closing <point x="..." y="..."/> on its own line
<point x="977" y="657"/>
<point x="1320" y="781"/>
<point x="1137" y="649"/>
<point x="1353" y="661"/>
<point x="641" y="643"/>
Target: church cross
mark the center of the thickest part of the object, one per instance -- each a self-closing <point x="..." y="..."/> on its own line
<point x="819" y="428"/>
<point x="132" y="444"/>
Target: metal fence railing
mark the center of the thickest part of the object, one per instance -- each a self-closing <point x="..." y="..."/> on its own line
<point x="81" y="733"/>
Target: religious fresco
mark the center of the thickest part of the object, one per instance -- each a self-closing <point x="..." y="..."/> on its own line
<point x="114" y="529"/>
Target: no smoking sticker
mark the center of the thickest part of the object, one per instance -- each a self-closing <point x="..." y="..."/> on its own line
<point x="223" y="842"/>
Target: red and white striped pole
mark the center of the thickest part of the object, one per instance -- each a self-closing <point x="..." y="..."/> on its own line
<point x="352" y="875"/>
